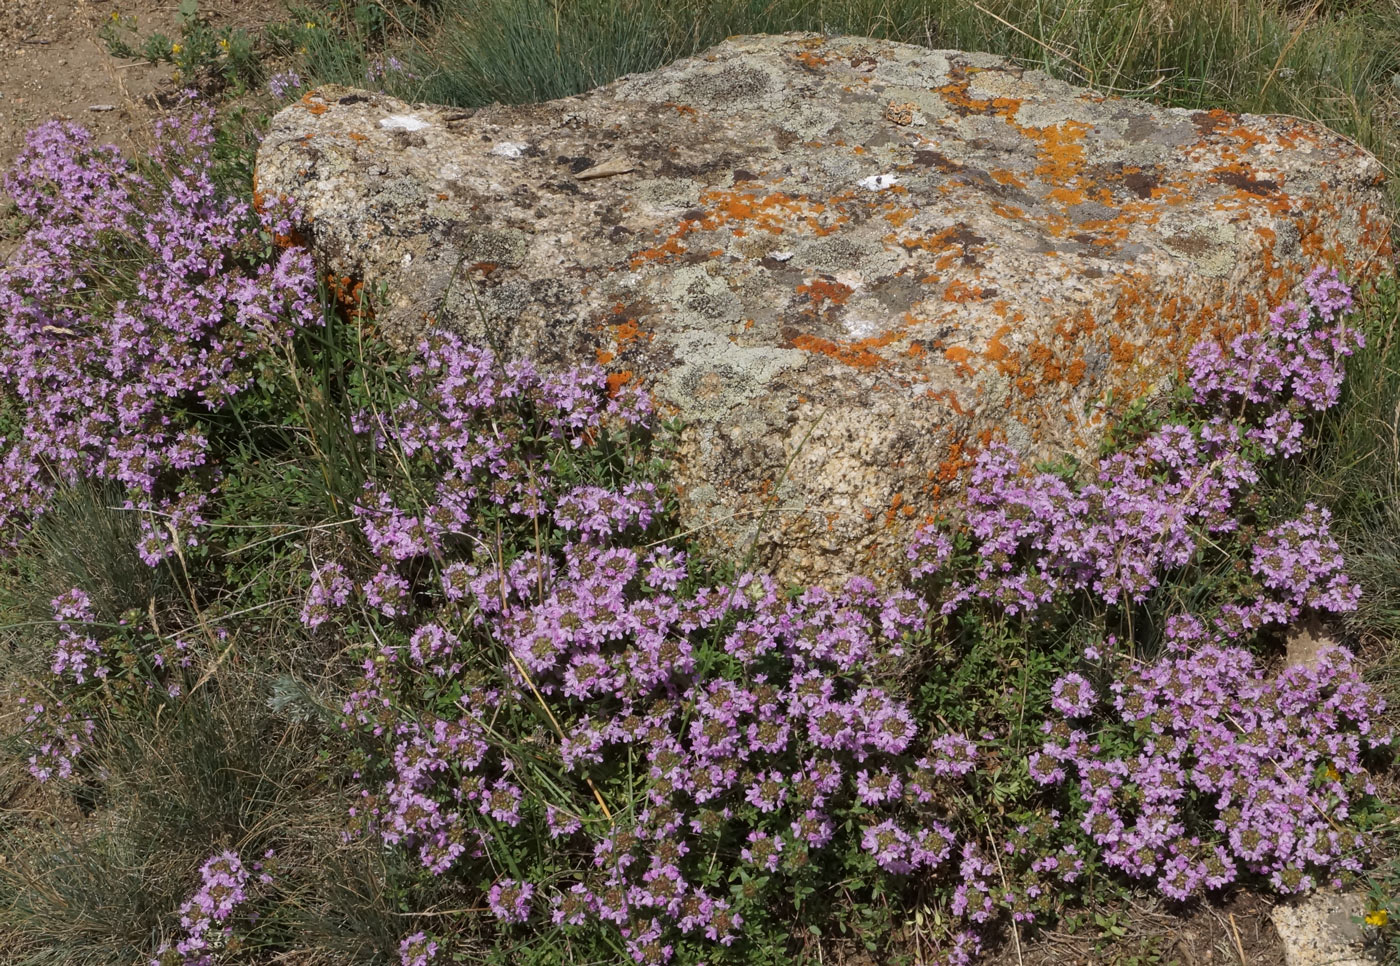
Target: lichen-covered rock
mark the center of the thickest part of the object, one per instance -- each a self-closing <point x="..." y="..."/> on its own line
<point x="848" y="264"/>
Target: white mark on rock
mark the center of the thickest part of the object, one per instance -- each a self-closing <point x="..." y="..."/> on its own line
<point x="509" y="149"/>
<point x="407" y="258"/>
<point x="877" y="182"/>
<point x="862" y="328"/>
<point x="780" y="256"/>
<point x="402" y="122"/>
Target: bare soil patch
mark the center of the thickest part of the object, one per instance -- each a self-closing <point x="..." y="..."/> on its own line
<point x="54" y="65"/>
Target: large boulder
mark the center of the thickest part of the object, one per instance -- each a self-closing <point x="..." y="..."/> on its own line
<point x="847" y="264"/>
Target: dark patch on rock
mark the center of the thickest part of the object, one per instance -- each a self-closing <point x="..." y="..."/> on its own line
<point x="408" y="139"/>
<point x="938" y="161"/>
<point x="1141" y="183"/>
<point x="1208" y="123"/>
<point x="1190" y="244"/>
<point x="1140" y="128"/>
<point x="966" y="237"/>
<point x="1259" y="186"/>
<point x="732" y="84"/>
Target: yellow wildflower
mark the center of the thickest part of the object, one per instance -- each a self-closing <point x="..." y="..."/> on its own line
<point x="116" y="16"/>
<point x="1377" y="918"/>
<point x="176" y="48"/>
<point x="223" y="42"/>
<point x="310" y="25"/>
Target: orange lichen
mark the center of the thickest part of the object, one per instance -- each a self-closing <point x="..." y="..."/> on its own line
<point x="616" y="380"/>
<point x="820" y="291"/>
<point x="956" y="95"/>
<point x="1066" y="196"/>
<point x="313" y="106"/>
<point x="1061" y="150"/>
<point x="961" y="457"/>
<point x="899" y="507"/>
<point x="960" y="291"/>
<point x="996" y="350"/>
<point x="348" y="295"/>
<point x="627" y="331"/>
<point x="658" y="253"/>
<point x="898" y="216"/>
<point x="773" y="212"/>
<point x="947" y="396"/>
<point x="1122" y="351"/>
<point x="858" y="354"/>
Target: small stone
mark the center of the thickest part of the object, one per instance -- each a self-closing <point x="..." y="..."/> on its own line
<point x="509" y="149"/>
<point x="900" y="114"/>
<point x="1307" y="640"/>
<point x="1323" y="929"/>
<point x="102" y="108"/>
<point x="607" y="169"/>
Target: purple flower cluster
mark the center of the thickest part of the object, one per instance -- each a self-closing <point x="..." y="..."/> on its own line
<point x="1149" y="510"/>
<point x="57" y="736"/>
<point x="127" y="307"/>
<point x="382" y="67"/>
<point x="1274" y="762"/>
<point x="279" y="85"/>
<point x="76" y="653"/>
<point x="59" y="713"/>
<point x="759" y="758"/>
<point x="740" y="727"/>
<point x="330" y="589"/>
<point x="471" y="435"/>
<point x="55" y="731"/>
<point x="207" y="917"/>
<point x="1295" y="363"/>
<point x="417" y="950"/>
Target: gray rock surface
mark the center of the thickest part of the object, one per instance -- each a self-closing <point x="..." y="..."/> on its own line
<point x="848" y="264"/>
<point x="1322" y="930"/>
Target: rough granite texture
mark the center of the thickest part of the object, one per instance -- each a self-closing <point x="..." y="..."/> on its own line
<point x="1322" y="929"/>
<point x="848" y="264"/>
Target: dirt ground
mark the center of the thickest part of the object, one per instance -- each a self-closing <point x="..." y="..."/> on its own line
<point x="53" y="65"/>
